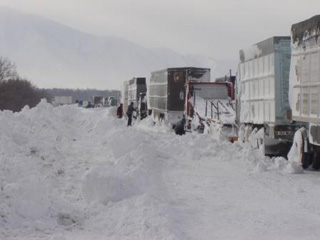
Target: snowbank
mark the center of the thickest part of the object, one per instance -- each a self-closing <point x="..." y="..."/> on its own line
<point x="72" y="173"/>
<point x="58" y="161"/>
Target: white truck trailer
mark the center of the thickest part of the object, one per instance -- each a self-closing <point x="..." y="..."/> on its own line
<point x="124" y="95"/>
<point x="62" y="100"/>
<point x="305" y="88"/>
<point x="262" y="96"/>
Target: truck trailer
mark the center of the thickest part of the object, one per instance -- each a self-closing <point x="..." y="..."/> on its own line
<point x="304" y="90"/>
<point x="62" y="100"/>
<point x="136" y="87"/>
<point x="124" y="94"/>
<point x="98" y="101"/>
<point x="262" y="96"/>
<point x="167" y="91"/>
<point x="134" y="90"/>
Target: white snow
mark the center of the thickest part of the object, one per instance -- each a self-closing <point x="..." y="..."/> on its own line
<point x="73" y="173"/>
<point x="221" y="109"/>
<point x="251" y="52"/>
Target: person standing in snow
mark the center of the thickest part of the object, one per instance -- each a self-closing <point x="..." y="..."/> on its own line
<point x="130" y="112"/>
<point x="179" y="128"/>
<point x="120" y="111"/>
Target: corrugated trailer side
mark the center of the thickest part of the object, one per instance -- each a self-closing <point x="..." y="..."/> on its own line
<point x="263" y="84"/>
<point x="305" y="87"/>
<point x="158" y="91"/>
<point x="305" y="71"/>
<point x="124" y="94"/>
<point x="263" y="80"/>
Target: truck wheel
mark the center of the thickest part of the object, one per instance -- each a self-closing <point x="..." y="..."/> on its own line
<point x="304" y="157"/>
<point x="316" y="161"/>
<point x="305" y="160"/>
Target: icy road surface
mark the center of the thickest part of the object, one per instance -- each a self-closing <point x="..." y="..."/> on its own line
<point x="70" y="173"/>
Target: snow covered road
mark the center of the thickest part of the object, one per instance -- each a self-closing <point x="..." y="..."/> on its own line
<point x="71" y="173"/>
<point x="226" y="199"/>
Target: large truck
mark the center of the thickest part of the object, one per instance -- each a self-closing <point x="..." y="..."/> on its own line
<point x="262" y="96"/>
<point x="167" y="91"/>
<point x="211" y="100"/>
<point x="134" y="90"/>
<point x="136" y="87"/>
<point x="124" y="95"/>
<point x="98" y="101"/>
<point x="62" y="100"/>
<point x="210" y="103"/>
<point x="305" y="88"/>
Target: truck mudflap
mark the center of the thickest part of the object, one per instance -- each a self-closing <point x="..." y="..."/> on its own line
<point x="276" y="147"/>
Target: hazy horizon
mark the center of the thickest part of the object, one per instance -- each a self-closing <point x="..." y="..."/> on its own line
<point x="213" y="28"/>
<point x="53" y="55"/>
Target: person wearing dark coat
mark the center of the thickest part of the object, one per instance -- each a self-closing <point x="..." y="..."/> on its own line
<point x="130" y="112"/>
<point x="179" y="128"/>
<point x="120" y="111"/>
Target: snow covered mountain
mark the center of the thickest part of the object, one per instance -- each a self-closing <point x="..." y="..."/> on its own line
<point x="54" y="55"/>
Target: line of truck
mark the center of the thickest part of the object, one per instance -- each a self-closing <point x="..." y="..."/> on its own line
<point x="181" y="93"/>
<point x="275" y="96"/>
<point x="278" y="93"/>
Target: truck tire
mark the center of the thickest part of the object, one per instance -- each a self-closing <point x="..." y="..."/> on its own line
<point x="305" y="160"/>
<point x="316" y="161"/>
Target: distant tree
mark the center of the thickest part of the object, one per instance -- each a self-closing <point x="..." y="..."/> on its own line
<point x="7" y="69"/>
<point x="17" y="93"/>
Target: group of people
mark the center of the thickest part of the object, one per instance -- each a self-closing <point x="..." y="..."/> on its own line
<point x="129" y="112"/>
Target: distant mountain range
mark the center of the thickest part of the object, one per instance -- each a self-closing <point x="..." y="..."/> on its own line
<point x="53" y="55"/>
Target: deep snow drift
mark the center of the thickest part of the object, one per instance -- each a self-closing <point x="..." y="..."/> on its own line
<point x="72" y="173"/>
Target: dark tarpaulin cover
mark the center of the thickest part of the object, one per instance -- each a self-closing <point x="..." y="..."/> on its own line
<point x="301" y="29"/>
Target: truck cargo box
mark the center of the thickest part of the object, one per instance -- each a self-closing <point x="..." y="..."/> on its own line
<point x="62" y="100"/>
<point x="263" y="82"/>
<point x="136" y="86"/>
<point x="305" y="75"/>
<point x="124" y="94"/>
<point x="166" y="93"/>
<point x="305" y="71"/>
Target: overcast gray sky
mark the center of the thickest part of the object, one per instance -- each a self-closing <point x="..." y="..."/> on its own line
<point x="216" y="28"/>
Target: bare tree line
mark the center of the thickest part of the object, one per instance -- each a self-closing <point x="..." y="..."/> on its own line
<point x="16" y="92"/>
